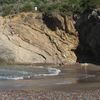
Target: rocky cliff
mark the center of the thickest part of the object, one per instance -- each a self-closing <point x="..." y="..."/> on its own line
<point x="88" y="26"/>
<point x="37" y="38"/>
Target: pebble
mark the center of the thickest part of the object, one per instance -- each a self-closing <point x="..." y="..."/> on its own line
<point x="50" y="95"/>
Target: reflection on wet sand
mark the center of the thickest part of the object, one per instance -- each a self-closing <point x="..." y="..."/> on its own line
<point x="70" y="77"/>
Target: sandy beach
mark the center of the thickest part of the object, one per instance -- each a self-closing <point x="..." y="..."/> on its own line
<point x="73" y="83"/>
<point x="50" y="90"/>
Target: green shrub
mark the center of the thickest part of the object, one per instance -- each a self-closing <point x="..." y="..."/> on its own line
<point x="27" y="6"/>
<point x="6" y="10"/>
<point x="49" y="6"/>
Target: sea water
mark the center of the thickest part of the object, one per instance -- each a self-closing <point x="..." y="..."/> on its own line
<point x="17" y="73"/>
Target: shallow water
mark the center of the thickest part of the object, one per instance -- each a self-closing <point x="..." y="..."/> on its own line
<point x="23" y="72"/>
<point x="19" y="72"/>
<point x="27" y="76"/>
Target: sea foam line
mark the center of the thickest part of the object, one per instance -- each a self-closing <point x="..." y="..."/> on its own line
<point x="51" y="72"/>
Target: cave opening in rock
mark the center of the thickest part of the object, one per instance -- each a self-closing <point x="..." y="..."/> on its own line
<point x="88" y="27"/>
<point x="85" y="55"/>
<point x="52" y="22"/>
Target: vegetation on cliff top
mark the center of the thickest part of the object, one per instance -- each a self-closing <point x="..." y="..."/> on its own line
<point x="67" y="6"/>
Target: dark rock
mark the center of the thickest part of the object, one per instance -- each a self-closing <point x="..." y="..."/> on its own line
<point x="88" y="27"/>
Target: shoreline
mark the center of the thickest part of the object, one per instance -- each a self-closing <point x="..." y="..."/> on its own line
<point x="48" y="89"/>
<point x="48" y="64"/>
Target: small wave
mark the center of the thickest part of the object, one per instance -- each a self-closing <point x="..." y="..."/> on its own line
<point x="51" y="72"/>
<point x="12" y="71"/>
<point x="11" y="74"/>
<point x="11" y="78"/>
<point x="7" y="74"/>
<point x="54" y="71"/>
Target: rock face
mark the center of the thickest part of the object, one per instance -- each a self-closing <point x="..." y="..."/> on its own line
<point x="88" y="27"/>
<point x="37" y="38"/>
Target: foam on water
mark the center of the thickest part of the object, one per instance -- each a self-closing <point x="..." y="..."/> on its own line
<point x="51" y="72"/>
<point x="11" y="78"/>
<point x="13" y="74"/>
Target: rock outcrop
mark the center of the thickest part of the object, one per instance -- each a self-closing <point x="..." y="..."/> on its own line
<point x="37" y="38"/>
<point x="88" y="27"/>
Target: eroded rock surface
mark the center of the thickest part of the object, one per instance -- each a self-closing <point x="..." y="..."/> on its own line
<point x="37" y="38"/>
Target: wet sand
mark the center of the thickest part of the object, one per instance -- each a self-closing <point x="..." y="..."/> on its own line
<point x="49" y="89"/>
<point x="63" y="87"/>
<point x="75" y="92"/>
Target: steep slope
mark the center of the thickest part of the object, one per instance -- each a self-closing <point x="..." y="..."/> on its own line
<point x="37" y="38"/>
